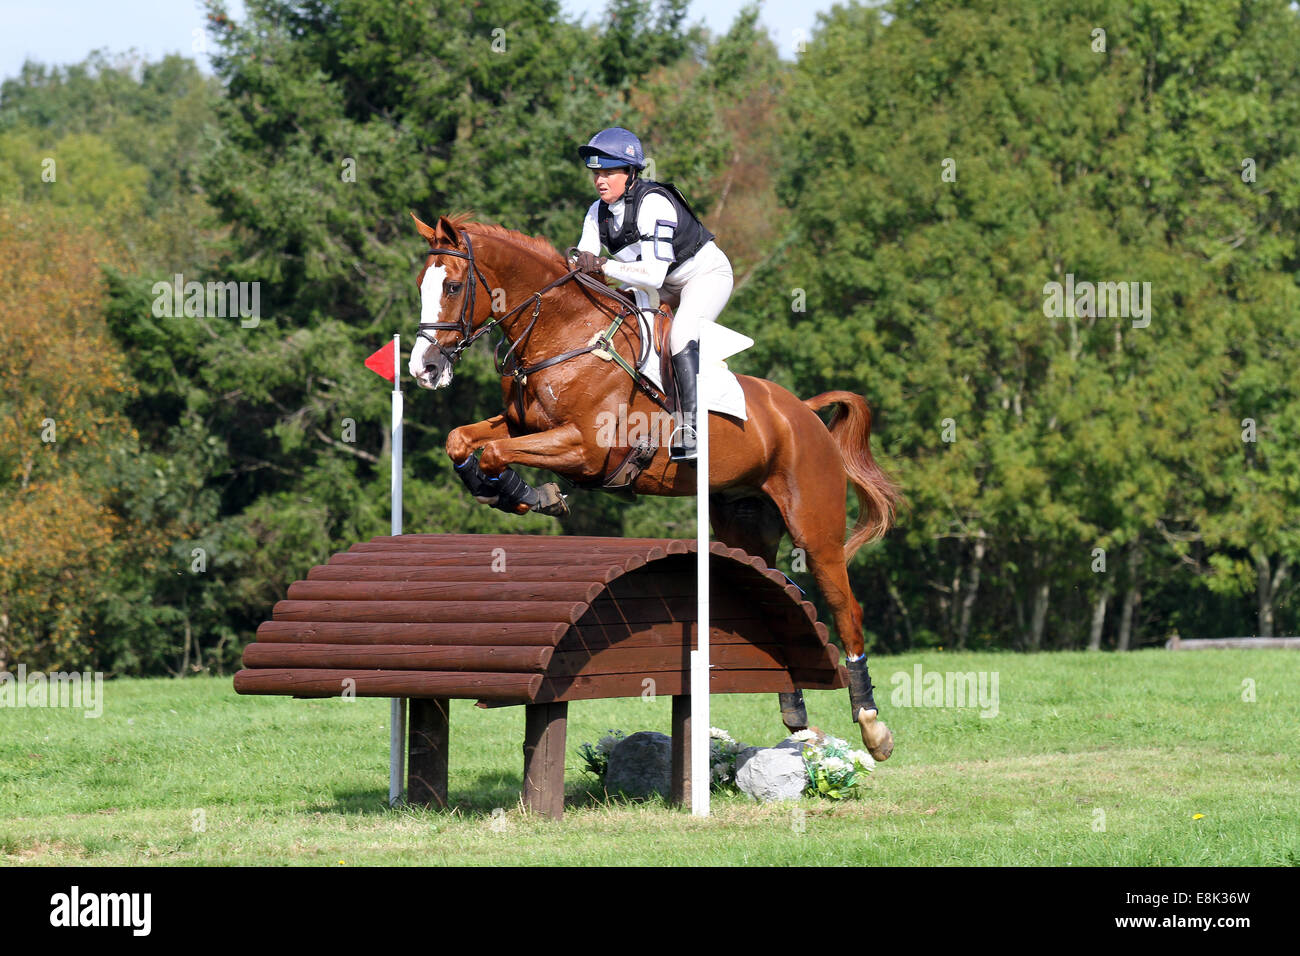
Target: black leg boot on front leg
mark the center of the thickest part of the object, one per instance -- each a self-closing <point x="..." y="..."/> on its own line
<point x="483" y="488"/>
<point x="509" y="493"/>
<point x="877" y="737"/>
<point x="686" y="366"/>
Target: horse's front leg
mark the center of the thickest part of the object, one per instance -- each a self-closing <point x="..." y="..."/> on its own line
<point x="559" y="449"/>
<point x="504" y="491"/>
<point x="467" y="439"/>
<point x="491" y="482"/>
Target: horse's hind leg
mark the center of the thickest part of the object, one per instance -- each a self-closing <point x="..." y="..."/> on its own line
<point x="753" y="524"/>
<point x="818" y="528"/>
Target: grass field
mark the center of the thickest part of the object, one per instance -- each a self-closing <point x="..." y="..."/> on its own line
<point x="1148" y="758"/>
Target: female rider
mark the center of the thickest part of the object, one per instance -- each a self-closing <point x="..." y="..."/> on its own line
<point x="655" y="243"/>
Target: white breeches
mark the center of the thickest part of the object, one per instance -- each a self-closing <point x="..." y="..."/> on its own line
<point x="704" y="286"/>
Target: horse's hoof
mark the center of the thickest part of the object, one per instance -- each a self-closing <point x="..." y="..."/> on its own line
<point x="879" y="741"/>
<point x="551" y="502"/>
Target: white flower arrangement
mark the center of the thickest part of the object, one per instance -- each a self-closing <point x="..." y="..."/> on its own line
<point x="597" y="758"/>
<point x="723" y="751"/>
<point x="833" y="769"/>
<point x="862" y="759"/>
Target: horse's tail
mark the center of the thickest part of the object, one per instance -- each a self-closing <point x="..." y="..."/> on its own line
<point x="878" y="495"/>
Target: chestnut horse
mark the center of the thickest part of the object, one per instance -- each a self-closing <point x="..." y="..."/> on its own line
<point x="782" y="470"/>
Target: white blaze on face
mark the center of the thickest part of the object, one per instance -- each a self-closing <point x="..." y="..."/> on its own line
<point x="435" y="371"/>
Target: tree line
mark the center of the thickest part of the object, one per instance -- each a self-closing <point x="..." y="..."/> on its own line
<point x="1054" y="249"/>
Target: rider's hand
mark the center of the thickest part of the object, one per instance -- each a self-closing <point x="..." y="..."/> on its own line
<point x="590" y="264"/>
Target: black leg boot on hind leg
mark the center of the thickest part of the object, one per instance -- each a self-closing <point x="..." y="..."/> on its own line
<point x="879" y="741"/>
<point x="793" y="713"/>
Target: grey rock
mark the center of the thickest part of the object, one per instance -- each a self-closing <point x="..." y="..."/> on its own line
<point x="772" y="773"/>
<point x="641" y="765"/>
<point x="788" y="744"/>
<point x="744" y="756"/>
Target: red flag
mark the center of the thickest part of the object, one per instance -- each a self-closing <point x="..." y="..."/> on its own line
<point x="381" y="363"/>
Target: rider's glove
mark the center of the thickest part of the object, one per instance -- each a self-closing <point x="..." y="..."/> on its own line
<point x="590" y="264"/>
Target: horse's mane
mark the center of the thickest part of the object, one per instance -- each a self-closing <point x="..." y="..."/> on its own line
<point x="464" y="220"/>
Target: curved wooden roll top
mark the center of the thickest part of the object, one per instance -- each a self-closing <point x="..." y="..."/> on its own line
<point x="525" y="619"/>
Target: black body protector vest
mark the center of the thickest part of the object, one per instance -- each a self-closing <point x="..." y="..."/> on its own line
<point x="688" y="238"/>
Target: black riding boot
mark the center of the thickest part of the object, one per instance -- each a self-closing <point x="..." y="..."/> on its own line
<point x="686" y="366"/>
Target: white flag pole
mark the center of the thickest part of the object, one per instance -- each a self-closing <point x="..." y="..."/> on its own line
<point x="397" y="707"/>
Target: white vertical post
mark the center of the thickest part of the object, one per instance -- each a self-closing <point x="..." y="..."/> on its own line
<point x="701" y="770"/>
<point x="716" y="343"/>
<point x="397" y="706"/>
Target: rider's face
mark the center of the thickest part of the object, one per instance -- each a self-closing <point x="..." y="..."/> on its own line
<point x="610" y="183"/>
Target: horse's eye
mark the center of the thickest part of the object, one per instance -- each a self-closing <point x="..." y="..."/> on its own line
<point x="453" y="288"/>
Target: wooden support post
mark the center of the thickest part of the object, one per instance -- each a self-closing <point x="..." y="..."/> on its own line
<point x="545" y="729"/>
<point x="681" y="786"/>
<point x="428" y="749"/>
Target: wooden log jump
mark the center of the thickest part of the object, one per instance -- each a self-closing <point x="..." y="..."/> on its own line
<point x="536" y="621"/>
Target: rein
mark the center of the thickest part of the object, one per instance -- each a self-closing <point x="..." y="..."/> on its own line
<point x="509" y="364"/>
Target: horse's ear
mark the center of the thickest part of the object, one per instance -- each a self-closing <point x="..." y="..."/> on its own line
<point x="429" y="233"/>
<point x="448" y="231"/>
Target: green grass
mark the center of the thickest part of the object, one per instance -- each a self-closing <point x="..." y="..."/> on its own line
<point x="1150" y="739"/>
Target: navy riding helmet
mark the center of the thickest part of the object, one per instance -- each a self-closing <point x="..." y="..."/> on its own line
<point x="613" y="148"/>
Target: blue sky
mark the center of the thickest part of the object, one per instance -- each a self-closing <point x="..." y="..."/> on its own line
<point x="782" y="18"/>
<point x="64" y="31"/>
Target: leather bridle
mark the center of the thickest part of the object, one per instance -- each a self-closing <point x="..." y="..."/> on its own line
<point x="465" y="323"/>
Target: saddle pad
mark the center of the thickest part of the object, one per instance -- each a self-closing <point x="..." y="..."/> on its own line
<point x="720" y="390"/>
